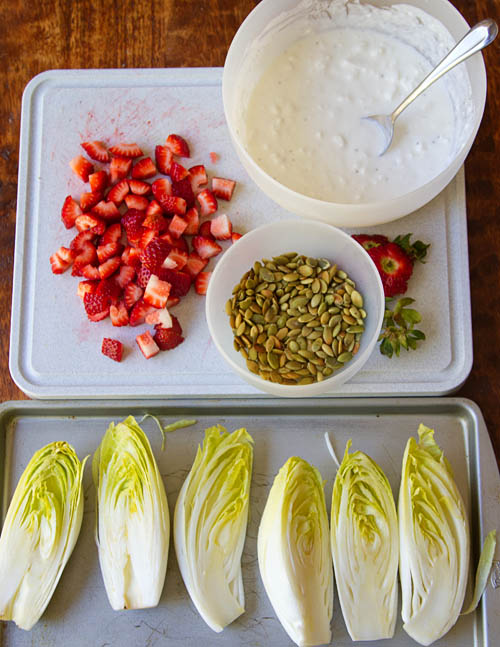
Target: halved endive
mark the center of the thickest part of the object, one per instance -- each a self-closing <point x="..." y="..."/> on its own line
<point x="294" y="554"/>
<point x="132" y="518"/>
<point x="40" y="531"/>
<point x="210" y="523"/>
<point x="434" y="541"/>
<point x="365" y="547"/>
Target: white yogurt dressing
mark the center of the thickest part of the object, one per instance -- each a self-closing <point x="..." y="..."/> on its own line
<point x="303" y="122"/>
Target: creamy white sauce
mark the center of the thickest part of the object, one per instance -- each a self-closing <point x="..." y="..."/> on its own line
<point x="303" y="121"/>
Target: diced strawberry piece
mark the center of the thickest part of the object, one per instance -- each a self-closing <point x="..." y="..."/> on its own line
<point x="118" y="192"/>
<point x="198" y="177"/>
<point x="107" y="210"/>
<point x="172" y="301"/>
<point x="195" y="264"/>
<point x="180" y="281"/>
<point x="147" y="345"/>
<point x="180" y="243"/>
<point x="132" y="257"/>
<point x="109" y="267"/>
<point x="156" y="292"/>
<point x="109" y="288"/>
<point x="99" y="228"/>
<point x="87" y="221"/>
<point x="143" y="275"/>
<point x="178" y="172"/>
<point x="70" y="212"/>
<point x="173" y="205"/>
<point x="201" y="282"/>
<point x="90" y="272"/>
<point x="96" y="305"/>
<point x="223" y="188"/>
<point x="136" y="202"/>
<point x="178" y="145"/>
<point x="89" y="200"/>
<point x="205" y="247"/>
<point x="98" y="181"/>
<point x="177" y="226"/>
<point x="119" y="314"/>
<point x="119" y="168"/>
<point x="80" y="239"/>
<point x="96" y="151"/>
<point x="143" y="169"/>
<point x="86" y="286"/>
<point x="86" y="256"/>
<point x="81" y="167"/>
<point x="192" y="218"/>
<point x="182" y="189"/>
<point x="176" y="256"/>
<point x="235" y="236"/>
<point x="126" y="150"/>
<point x="167" y="338"/>
<point x="112" y="234"/>
<point x="161" y="317"/>
<point x="108" y="251"/>
<point x="206" y="230"/>
<point x="221" y="227"/>
<point x="154" y="254"/>
<point x="162" y="189"/>
<point x="139" y="312"/>
<point x="154" y="208"/>
<point x="132" y="294"/>
<point x="125" y="276"/>
<point x="132" y="221"/>
<point x="61" y="260"/>
<point x="163" y="158"/>
<point x="208" y="202"/>
<point x="156" y="221"/>
<point x="139" y="187"/>
<point x="214" y="157"/>
<point x="147" y="237"/>
<point x="112" y="348"/>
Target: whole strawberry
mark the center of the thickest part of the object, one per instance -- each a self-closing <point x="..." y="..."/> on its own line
<point x="370" y="241"/>
<point x="394" y="265"/>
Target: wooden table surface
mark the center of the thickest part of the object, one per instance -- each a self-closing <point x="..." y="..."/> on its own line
<point x="37" y="36"/>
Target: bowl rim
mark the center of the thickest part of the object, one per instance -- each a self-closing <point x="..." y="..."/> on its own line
<point x="316" y="388"/>
<point x="291" y="194"/>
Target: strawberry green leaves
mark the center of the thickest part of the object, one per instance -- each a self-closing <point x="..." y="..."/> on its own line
<point x="398" y="328"/>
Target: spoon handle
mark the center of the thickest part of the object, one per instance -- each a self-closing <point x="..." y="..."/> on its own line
<point x="474" y="40"/>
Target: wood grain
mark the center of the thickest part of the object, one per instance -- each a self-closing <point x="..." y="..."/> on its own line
<point x="37" y="36"/>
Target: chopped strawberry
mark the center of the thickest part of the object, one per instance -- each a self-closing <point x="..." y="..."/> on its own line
<point x="147" y="237"/>
<point x="119" y="168"/>
<point x="96" y="305"/>
<point x="154" y="254"/>
<point x="178" y="172"/>
<point x="223" y="188"/>
<point x="132" y="222"/>
<point x="177" y="226"/>
<point x="136" y="202"/>
<point x="173" y="205"/>
<point x="126" y="150"/>
<point x="70" y="212"/>
<point x="112" y="234"/>
<point x="143" y="169"/>
<point x="167" y="338"/>
<point x="214" y="157"/>
<point x="221" y="227"/>
<point x="178" y="145"/>
<point x="90" y="272"/>
<point x="147" y="345"/>
<point x="180" y="281"/>
<point x="132" y="294"/>
<point x="156" y="221"/>
<point x="172" y="301"/>
<point x="61" y="260"/>
<point x="109" y="267"/>
<point x="156" y="292"/>
<point x="176" y="256"/>
<point x="112" y="348"/>
<point x="86" y="256"/>
<point x="139" y="312"/>
<point x="107" y="210"/>
<point x="206" y="230"/>
<point x="169" y="264"/>
<point x="179" y="243"/>
<point x="182" y="189"/>
<point x="205" y="247"/>
<point x="154" y="208"/>
<point x="369" y="241"/>
<point x="81" y="167"/>
<point x="132" y="256"/>
<point x="96" y="151"/>
<point x="100" y="227"/>
<point x="98" y="181"/>
<point x="235" y="236"/>
<point x="143" y="274"/>
<point x="119" y="314"/>
<point x="162" y="188"/>
<point x="195" y="264"/>
<point x="87" y="221"/>
<point x="80" y="239"/>
<point x="125" y="276"/>
<point x="161" y="317"/>
<point x="198" y="177"/>
<point x="118" y="192"/>
<point x="394" y="266"/>
<point x="108" y="251"/>
<point x="201" y="282"/>
<point x="89" y="200"/>
<point x="139" y="187"/>
<point x="86" y="286"/>
<point x="193" y="221"/>
<point x="163" y="158"/>
<point x="110" y="289"/>
<point x="208" y="202"/>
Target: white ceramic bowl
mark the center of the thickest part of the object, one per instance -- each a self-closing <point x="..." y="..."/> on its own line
<point x="314" y="239"/>
<point x="237" y="76"/>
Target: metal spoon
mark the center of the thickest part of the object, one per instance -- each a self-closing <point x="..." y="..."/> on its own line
<point x="474" y="40"/>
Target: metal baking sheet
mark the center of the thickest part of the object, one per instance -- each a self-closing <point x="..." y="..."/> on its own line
<point x="79" y="613"/>
<point x="55" y="350"/>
